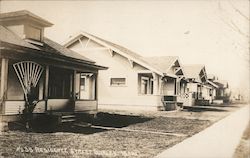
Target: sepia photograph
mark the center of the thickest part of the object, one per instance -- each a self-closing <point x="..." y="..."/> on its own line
<point x="125" y="78"/>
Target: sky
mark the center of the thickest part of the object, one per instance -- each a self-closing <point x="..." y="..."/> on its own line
<point x="210" y="32"/>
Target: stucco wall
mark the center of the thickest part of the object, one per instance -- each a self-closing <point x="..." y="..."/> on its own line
<point x="119" y="67"/>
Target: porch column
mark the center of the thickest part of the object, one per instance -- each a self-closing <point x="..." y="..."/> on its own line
<point x="46" y="89"/>
<point x="96" y="86"/>
<point x="74" y="86"/>
<point x="175" y="84"/>
<point x="160" y="88"/>
<point x="155" y="84"/>
<point x="4" y="79"/>
<point x="178" y="86"/>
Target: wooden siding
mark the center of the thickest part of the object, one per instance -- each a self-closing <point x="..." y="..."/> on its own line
<point x="85" y="105"/>
<point x="16" y="107"/>
<point x="60" y="105"/>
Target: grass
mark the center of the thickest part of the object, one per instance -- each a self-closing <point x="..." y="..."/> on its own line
<point x="110" y="143"/>
<point x="94" y="142"/>
<point x="173" y="125"/>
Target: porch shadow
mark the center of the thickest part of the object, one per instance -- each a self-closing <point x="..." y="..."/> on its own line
<point x="50" y="124"/>
<point x="117" y="120"/>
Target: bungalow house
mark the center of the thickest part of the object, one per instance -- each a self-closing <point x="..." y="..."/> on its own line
<point x="28" y="57"/>
<point x="132" y="82"/>
<point x="200" y="92"/>
<point x="221" y="91"/>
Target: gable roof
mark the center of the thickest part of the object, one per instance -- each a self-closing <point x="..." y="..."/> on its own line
<point x="212" y="84"/>
<point x="145" y="62"/>
<point x="193" y="71"/>
<point x="163" y="63"/>
<point x="23" y="14"/>
<point x="221" y="83"/>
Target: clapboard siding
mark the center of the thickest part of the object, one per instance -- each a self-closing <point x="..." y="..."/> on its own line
<point x="16" y="107"/>
<point x="60" y="104"/>
<point x="85" y="105"/>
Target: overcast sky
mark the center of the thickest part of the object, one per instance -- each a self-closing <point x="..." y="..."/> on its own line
<point x="210" y="32"/>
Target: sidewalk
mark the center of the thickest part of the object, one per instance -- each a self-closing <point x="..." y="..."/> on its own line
<point x="217" y="141"/>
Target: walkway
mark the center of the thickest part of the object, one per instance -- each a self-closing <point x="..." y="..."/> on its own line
<point x="217" y="141"/>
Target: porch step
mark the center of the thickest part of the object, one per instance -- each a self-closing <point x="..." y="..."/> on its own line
<point x="82" y="124"/>
<point x="68" y="118"/>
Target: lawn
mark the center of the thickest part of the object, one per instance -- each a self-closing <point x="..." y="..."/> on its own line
<point x="137" y="136"/>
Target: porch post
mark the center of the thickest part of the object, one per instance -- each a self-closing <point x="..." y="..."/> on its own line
<point x="74" y="86"/>
<point x="155" y="84"/>
<point x="46" y="89"/>
<point x="178" y="86"/>
<point x="160" y="85"/>
<point x="175" y="84"/>
<point x="96" y="88"/>
<point x="4" y="79"/>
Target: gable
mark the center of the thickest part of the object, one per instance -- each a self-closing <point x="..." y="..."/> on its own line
<point x="131" y="56"/>
<point x="85" y="43"/>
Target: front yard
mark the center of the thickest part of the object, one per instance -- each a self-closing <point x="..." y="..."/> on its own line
<point x="132" y="135"/>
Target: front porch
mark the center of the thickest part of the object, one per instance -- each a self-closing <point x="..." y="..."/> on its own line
<point x="59" y="90"/>
<point x="165" y="88"/>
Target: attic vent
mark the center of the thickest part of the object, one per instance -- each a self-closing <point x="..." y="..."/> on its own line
<point x="34" y="42"/>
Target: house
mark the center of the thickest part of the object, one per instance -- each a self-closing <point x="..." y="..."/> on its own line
<point x="221" y="90"/>
<point x="28" y="57"/>
<point x="214" y="87"/>
<point x="200" y="92"/>
<point x="132" y="82"/>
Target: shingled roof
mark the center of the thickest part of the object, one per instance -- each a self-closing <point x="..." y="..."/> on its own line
<point x="56" y="48"/>
<point x="221" y="83"/>
<point x="163" y="63"/>
<point x="193" y="71"/>
<point x="9" y="37"/>
<point x="48" y="45"/>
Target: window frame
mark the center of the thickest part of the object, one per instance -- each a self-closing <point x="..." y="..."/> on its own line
<point x="150" y="84"/>
<point x="118" y="85"/>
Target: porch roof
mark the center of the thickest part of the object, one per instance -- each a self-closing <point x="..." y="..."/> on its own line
<point x="221" y="83"/>
<point x="212" y="84"/>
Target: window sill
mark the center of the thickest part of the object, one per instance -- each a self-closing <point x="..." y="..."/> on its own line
<point x="118" y="86"/>
<point x="86" y="100"/>
<point x="146" y="95"/>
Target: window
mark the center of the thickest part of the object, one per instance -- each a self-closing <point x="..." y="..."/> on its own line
<point x="118" y="81"/>
<point x="82" y="83"/>
<point x="146" y="84"/>
<point x="85" y="86"/>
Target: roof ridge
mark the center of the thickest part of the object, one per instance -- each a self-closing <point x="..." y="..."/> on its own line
<point x="24" y="13"/>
